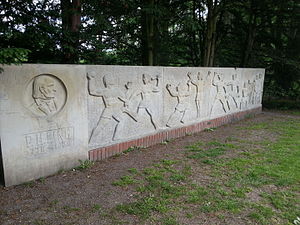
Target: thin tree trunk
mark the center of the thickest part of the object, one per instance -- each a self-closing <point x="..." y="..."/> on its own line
<point x="71" y="21"/>
<point x="247" y="50"/>
<point x="210" y="37"/>
<point x="194" y="44"/>
<point x="148" y="33"/>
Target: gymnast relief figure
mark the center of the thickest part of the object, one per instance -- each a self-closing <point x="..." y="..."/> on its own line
<point x="234" y="90"/>
<point x="259" y="88"/>
<point x="115" y="104"/>
<point x="149" y="87"/>
<point x="200" y="82"/>
<point x="252" y="91"/>
<point x="244" y="96"/>
<point x="222" y="94"/>
<point x="180" y="92"/>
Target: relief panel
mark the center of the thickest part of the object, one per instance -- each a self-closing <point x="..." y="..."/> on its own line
<point x="43" y="120"/>
<point x="130" y="102"/>
<point x="51" y="115"/>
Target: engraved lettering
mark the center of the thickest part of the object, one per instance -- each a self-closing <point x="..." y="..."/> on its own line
<point x="49" y="141"/>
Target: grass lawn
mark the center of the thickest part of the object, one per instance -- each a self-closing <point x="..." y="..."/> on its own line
<point x="256" y="180"/>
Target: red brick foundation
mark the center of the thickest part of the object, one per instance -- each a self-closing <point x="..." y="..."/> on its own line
<point x="105" y="152"/>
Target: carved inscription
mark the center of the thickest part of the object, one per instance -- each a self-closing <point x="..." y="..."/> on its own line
<point x="49" y="141"/>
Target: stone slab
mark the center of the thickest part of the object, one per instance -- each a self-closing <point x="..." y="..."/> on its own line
<point x="198" y="94"/>
<point x="124" y="102"/>
<point x="52" y="115"/>
<point x="43" y="111"/>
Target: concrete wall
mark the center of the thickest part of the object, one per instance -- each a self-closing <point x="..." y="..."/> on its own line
<point x="54" y="115"/>
<point x="43" y="117"/>
<point x="131" y="102"/>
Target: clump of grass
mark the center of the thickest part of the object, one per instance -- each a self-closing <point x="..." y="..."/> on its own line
<point x="211" y="129"/>
<point x="133" y="170"/>
<point x="132" y="148"/>
<point x="96" y="207"/>
<point x="84" y="164"/>
<point x="144" y="207"/>
<point x="168" y="162"/>
<point x="209" y="151"/>
<point x="213" y="152"/>
<point x="125" y="181"/>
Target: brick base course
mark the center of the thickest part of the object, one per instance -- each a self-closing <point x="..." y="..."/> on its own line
<point x="105" y="152"/>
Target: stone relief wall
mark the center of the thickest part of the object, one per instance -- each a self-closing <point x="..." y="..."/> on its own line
<point x="123" y="102"/>
<point x="43" y="120"/>
<point x="52" y="115"/>
<point x="129" y="102"/>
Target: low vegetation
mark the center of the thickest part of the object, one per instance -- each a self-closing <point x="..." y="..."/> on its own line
<point x="259" y="180"/>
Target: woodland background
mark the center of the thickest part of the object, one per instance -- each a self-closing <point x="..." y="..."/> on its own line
<point x="220" y="33"/>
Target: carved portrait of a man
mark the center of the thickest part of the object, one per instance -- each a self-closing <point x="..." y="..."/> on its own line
<point x="43" y="93"/>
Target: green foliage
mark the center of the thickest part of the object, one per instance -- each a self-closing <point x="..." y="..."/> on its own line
<point x="96" y="207"/>
<point x="124" y="181"/>
<point x="13" y="55"/>
<point x="111" y="32"/>
<point x="267" y="169"/>
<point x="207" y="152"/>
<point x="132" y="148"/>
<point x="84" y="164"/>
<point x="282" y="104"/>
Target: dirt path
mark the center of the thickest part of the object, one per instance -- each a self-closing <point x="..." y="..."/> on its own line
<point x="88" y="196"/>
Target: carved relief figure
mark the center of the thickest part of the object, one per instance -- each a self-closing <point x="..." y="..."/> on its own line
<point x="149" y="87"/>
<point x="252" y="91"/>
<point x="130" y="93"/>
<point x="200" y="83"/>
<point x="259" y="88"/>
<point x="234" y="90"/>
<point x="244" y="96"/>
<point x="44" y="94"/>
<point x="222" y="94"/>
<point x="115" y="106"/>
<point x="181" y="92"/>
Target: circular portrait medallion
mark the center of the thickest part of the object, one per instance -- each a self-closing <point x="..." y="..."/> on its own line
<point x="45" y="95"/>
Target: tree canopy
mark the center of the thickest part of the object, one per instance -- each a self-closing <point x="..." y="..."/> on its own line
<point x="225" y="33"/>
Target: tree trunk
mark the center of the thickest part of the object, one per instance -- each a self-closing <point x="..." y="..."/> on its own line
<point x="210" y="36"/>
<point x="148" y="39"/>
<point x="247" y="50"/>
<point x="71" y="21"/>
<point x="194" y="43"/>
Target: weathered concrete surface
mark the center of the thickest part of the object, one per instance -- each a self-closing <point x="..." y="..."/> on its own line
<point x="43" y="120"/>
<point x="198" y="94"/>
<point x="125" y="102"/>
<point x="52" y="115"/>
